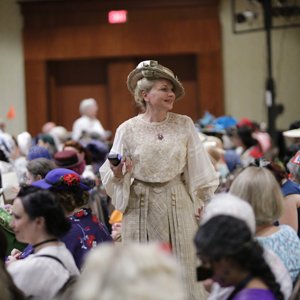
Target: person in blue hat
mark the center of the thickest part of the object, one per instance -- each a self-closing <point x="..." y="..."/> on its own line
<point x="72" y="192"/>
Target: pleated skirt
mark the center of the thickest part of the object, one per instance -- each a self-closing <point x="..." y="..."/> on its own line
<point x="165" y="212"/>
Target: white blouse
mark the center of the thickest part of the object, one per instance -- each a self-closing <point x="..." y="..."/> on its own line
<point x="42" y="277"/>
<point x="88" y="125"/>
<point x="160" y="151"/>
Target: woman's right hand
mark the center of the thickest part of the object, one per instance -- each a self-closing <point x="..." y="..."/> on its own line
<point x="122" y="168"/>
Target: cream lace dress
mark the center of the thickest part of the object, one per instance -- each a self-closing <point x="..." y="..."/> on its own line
<point x="172" y="177"/>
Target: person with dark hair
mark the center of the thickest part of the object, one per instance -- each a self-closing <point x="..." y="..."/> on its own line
<point x="39" y="220"/>
<point x="247" y="146"/>
<point x="227" y="249"/>
<point x="47" y="141"/>
<point x="228" y="204"/>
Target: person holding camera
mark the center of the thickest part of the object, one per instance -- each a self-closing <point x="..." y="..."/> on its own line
<point x="164" y="175"/>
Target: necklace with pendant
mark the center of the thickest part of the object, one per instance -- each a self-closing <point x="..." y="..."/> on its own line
<point x="160" y="136"/>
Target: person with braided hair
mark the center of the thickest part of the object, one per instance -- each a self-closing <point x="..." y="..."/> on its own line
<point x="222" y="245"/>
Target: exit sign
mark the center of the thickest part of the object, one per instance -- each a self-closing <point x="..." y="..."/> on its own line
<point x="117" y="16"/>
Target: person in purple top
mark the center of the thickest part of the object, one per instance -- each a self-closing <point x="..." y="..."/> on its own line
<point x="86" y="232"/>
<point x="72" y="191"/>
<point x="230" y="256"/>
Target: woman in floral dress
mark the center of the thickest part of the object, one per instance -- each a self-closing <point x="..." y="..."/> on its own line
<point x="86" y="230"/>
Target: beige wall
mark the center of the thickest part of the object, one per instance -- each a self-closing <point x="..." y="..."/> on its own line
<point x="244" y="61"/>
<point x="11" y="66"/>
<point x="245" y="71"/>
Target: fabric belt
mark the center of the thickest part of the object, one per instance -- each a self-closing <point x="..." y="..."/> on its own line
<point x="175" y="180"/>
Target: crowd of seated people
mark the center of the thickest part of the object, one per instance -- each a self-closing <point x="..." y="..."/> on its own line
<point x="63" y="170"/>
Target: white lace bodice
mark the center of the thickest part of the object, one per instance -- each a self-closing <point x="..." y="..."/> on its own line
<point x="158" y="150"/>
<point x="161" y="151"/>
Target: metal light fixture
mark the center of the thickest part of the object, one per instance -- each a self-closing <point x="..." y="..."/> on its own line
<point x="248" y="15"/>
<point x="251" y="15"/>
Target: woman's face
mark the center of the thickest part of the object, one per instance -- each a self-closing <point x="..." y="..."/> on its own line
<point x="222" y="271"/>
<point x="161" y="97"/>
<point x="23" y="226"/>
<point x="91" y="111"/>
<point x="30" y="178"/>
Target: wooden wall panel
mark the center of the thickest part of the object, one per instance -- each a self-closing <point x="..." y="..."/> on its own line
<point x="121" y="103"/>
<point x="70" y="38"/>
<point x="186" y="36"/>
<point x="189" y="104"/>
<point x="69" y="98"/>
<point x="36" y="95"/>
<point x="210" y="83"/>
<point x="81" y="13"/>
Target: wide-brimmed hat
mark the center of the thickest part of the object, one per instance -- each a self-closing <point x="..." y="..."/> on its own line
<point x="151" y="69"/>
<point x="38" y="152"/>
<point x="62" y="179"/>
<point x="69" y="159"/>
<point x="294" y="133"/>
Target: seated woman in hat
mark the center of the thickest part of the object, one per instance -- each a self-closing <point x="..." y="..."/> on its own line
<point x="86" y="231"/>
<point x="165" y="174"/>
<point x="72" y="192"/>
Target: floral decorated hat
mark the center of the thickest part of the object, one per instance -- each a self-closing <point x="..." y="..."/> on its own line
<point x="62" y="179"/>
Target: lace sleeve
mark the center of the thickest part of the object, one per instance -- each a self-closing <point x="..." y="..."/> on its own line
<point x="200" y="173"/>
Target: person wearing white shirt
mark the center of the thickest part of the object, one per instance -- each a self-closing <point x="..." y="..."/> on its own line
<point x="88" y="122"/>
<point x="39" y="220"/>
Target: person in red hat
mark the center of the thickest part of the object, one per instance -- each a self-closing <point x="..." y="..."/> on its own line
<point x="70" y="159"/>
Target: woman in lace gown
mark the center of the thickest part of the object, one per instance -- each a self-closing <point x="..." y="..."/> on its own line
<point x="165" y="175"/>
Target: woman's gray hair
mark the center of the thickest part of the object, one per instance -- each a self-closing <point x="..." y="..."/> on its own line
<point x="40" y="166"/>
<point x="86" y="103"/>
<point x="259" y="187"/>
<point x="132" y="272"/>
<point x="143" y="84"/>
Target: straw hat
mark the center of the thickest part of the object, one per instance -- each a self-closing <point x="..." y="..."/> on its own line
<point x="151" y="69"/>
